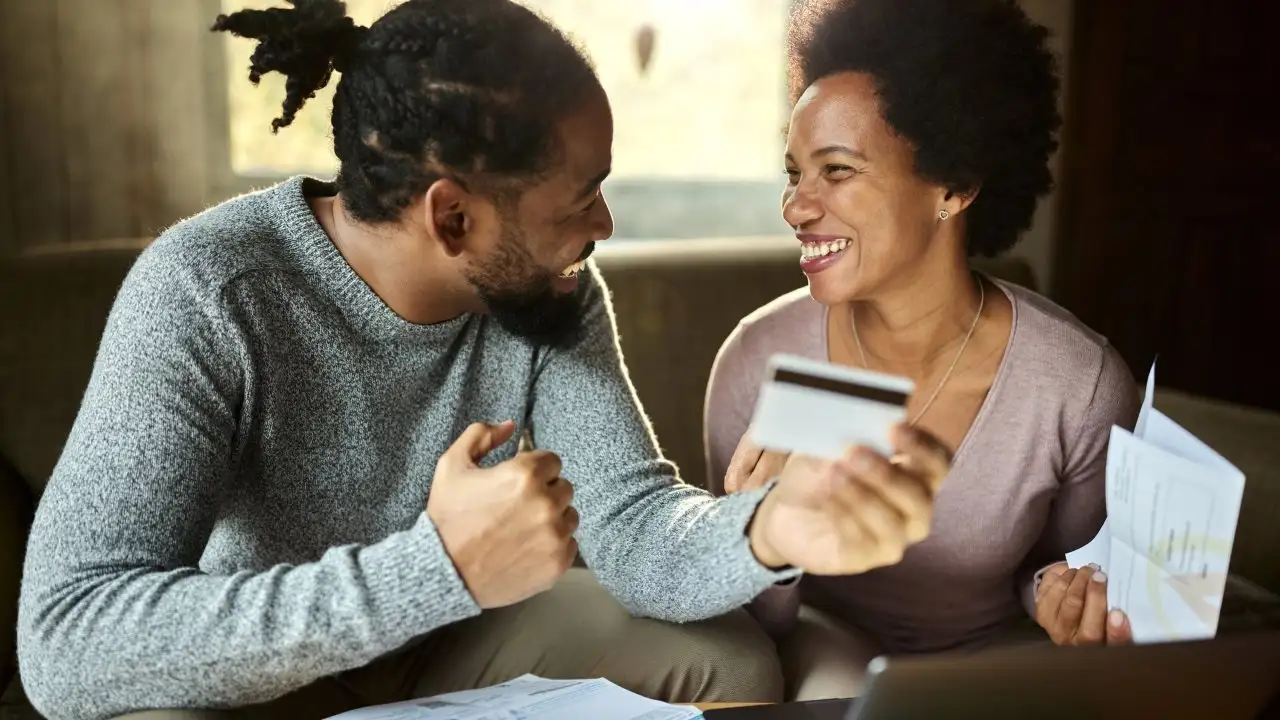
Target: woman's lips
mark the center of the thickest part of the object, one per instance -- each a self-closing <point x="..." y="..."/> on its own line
<point x="819" y="252"/>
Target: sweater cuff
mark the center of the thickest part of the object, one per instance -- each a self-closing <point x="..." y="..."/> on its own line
<point x="741" y="509"/>
<point x="1030" y="587"/>
<point x="413" y="584"/>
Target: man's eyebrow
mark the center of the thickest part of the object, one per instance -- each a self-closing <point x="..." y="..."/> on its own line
<point x="592" y="185"/>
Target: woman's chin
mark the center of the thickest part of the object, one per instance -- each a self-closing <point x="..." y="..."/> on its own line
<point x="830" y="291"/>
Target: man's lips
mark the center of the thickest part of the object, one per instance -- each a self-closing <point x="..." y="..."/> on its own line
<point x="573" y="269"/>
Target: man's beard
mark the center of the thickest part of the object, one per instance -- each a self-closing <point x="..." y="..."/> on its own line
<point x="520" y="296"/>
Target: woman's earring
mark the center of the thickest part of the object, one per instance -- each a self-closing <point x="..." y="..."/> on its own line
<point x="943" y="214"/>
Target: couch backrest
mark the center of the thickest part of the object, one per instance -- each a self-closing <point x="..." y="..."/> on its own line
<point x="55" y="308"/>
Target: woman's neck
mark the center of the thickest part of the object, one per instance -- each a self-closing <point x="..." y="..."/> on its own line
<point x="912" y="329"/>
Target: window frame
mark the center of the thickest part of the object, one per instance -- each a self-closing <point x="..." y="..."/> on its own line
<point x="643" y="209"/>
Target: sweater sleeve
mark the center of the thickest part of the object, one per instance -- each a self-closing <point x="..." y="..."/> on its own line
<point x="1080" y="506"/>
<point x="115" y="614"/>
<point x="664" y="548"/>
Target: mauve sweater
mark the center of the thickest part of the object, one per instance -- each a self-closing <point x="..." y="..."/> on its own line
<point x="1026" y="487"/>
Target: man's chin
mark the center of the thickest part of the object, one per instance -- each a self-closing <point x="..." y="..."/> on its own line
<point x="561" y="333"/>
<point x="555" y="320"/>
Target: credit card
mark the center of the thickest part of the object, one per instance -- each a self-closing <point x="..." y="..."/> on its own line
<point x="820" y="409"/>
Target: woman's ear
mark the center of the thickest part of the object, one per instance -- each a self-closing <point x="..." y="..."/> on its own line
<point x="957" y="201"/>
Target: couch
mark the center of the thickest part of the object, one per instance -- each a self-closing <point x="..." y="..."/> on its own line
<point x="676" y="302"/>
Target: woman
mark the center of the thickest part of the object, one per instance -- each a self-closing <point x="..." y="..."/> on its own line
<point x="920" y="136"/>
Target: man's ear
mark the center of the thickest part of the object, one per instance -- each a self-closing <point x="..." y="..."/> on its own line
<point x="449" y="215"/>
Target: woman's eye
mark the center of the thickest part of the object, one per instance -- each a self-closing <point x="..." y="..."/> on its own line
<point x="793" y="176"/>
<point x="837" y="169"/>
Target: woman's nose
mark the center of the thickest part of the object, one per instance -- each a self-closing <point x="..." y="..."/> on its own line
<point x="800" y="206"/>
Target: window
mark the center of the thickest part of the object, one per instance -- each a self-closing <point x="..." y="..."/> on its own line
<point x="698" y="130"/>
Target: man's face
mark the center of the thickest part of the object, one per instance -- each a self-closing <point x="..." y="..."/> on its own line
<point x="526" y="297"/>
<point x="528" y="275"/>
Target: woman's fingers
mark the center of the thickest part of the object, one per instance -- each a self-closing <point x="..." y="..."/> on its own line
<point x="741" y="464"/>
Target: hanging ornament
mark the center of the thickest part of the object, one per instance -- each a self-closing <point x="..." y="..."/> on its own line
<point x="646" y="38"/>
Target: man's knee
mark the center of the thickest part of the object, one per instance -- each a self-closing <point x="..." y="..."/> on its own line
<point x="724" y="659"/>
<point x="578" y="630"/>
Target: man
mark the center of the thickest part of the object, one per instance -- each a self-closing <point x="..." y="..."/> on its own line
<point x="294" y="486"/>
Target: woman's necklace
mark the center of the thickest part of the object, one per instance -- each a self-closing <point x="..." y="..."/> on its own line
<point x="982" y="299"/>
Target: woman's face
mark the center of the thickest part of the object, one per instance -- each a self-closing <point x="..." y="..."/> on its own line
<point x="863" y="216"/>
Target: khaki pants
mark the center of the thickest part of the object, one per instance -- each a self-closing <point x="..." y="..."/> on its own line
<point x="575" y="630"/>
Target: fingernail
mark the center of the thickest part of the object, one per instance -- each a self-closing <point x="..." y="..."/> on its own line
<point x="1099" y="576"/>
<point x="862" y="460"/>
<point x="1116" y="618"/>
<point x="1095" y="566"/>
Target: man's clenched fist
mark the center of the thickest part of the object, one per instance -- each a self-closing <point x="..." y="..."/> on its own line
<point x="509" y="528"/>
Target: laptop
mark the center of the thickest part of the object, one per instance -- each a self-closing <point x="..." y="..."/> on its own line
<point x="1228" y="678"/>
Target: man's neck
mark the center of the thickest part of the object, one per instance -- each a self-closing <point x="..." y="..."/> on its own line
<point x="398" y="267"/>
<point x="910" y="327"/>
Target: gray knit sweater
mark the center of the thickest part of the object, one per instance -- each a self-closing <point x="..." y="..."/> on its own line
<point x="239" y="508"/>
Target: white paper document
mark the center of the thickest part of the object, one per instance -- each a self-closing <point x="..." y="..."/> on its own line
<point x="1172" y="507"/>
<point x="530" y="697"/>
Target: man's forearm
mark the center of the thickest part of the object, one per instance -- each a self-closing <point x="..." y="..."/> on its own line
<point x="96" y="645"/>
<point x="685" y="556"/>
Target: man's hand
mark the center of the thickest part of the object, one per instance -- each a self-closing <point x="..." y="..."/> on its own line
<point x="751" y="467"/>
<point x="855" y="514"/>
<point x="509" y="528"/>
<point x="1071" y="605"/>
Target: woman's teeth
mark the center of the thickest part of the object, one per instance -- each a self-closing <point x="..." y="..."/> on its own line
<point x="808" y="251"/>
<point x="573" y="269"/>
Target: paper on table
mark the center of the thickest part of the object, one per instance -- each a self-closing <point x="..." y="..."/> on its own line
<point x="1172" y="508"/>
<point x="530" y="697"/>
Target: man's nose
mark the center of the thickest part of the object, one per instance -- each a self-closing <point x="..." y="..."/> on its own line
<point x="602" y="221"/>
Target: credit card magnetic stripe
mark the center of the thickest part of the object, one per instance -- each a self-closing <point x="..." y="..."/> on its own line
<point x="841" y="387"/>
